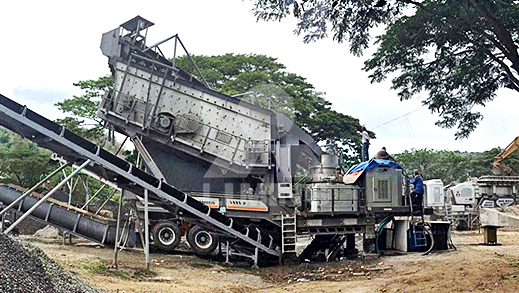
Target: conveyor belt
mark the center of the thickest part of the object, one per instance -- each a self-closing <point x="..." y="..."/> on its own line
<point x="64" y="216"/>
<point x="72" y="147"/>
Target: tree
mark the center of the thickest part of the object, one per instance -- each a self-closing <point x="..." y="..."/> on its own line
<point x="452" y="166"/>
<point x="460" y="52"/>
<point x="235" y="74"/>
<point x="21" y="161"/>
<point x="445" y="165"/>
<point x="84" y="120"/>
<point x="294" y="96"/>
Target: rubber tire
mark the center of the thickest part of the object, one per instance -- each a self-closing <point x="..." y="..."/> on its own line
<point x="462" y="225"/>
<point x="191" y="239"/>
<point x="161" y="244"/>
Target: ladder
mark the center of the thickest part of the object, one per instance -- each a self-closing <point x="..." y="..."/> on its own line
<point x="288" y="234"/>
<point x="417" y="219"/>
<point x="419" y="237"/>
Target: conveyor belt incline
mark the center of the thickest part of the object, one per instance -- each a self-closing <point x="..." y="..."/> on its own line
<point x="64" y="216"/>
<point x="54" y="137"/>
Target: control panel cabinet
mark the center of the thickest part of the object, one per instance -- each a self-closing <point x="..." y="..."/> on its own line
<point x="384" y="187"/>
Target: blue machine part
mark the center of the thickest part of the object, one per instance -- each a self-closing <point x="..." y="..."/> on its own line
<point x="372" y="164"/>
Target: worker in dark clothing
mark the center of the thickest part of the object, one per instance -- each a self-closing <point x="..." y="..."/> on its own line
<point x="417" y="194"/>
<point x="382" y="154"/>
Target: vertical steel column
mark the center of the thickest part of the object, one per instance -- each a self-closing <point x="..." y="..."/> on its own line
<point x="46" y="196"/>
<point x="255" y="266"/>
<point x="70" y="189"/>
<point x="116" y="245"/>
<point x="33" y="188"/>
<point x="2" y="219"/>
<point x="228" y="250"/>
<point x="146" y="231"/>
<point x="84" y="180"/>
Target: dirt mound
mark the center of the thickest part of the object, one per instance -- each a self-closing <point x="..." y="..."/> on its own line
<point x="25" y="268"/>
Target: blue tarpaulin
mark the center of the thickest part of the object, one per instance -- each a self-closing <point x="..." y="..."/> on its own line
<point x="374" y="163"/>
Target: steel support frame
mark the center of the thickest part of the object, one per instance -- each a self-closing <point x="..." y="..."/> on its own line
<point x="46" y="196"/>
<point x="146" y="231"/>
<point x="68" y="231"/>
<point x="93" y="196"/>
<point x="116" y="244"/>
<point x="28" y="192"/>
<point x="105" y="202"/>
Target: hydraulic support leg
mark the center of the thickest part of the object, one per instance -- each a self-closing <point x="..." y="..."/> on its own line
<point x="146" y="231"/>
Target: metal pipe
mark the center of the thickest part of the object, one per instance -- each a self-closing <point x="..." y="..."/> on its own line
<point x="33" y="188"/>
<point x="93" y="196"/>
<point x="193" y="61"/>
<point x="158" y="43"/>
<point x="117" y="229"/>
<point x="146" y="231"/>
<point x="154" y="62"/>
<point x="84" y="181"/>
<point x="46" y="196"/>
<point x="105" y="202"/>
<point x="175" y="52"/>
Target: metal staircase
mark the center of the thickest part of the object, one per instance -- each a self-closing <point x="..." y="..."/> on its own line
<point x="417" y="226"/>
<point x="288" y="234"/>
<point x="73" y="148"/>
<point x="448" y="212"/>
<point x="419" y="237"/>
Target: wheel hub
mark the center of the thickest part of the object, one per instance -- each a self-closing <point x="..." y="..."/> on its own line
<point x="167" y="236"/>
<point x="203" y="239"/>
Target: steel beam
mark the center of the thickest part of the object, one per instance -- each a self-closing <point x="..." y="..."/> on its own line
<point x="146" y="231"/>
<point x="93" y="196"/>
<point x="116" y="245"/>
<point x="33" y="189"/>
<point x="46" y="196"/>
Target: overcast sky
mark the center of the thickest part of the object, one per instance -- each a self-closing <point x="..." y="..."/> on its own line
<point x="49" y="45"/>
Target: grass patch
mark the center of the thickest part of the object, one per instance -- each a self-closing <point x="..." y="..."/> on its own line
<point x="100" y="268"/>
<point x="143" y="274"/>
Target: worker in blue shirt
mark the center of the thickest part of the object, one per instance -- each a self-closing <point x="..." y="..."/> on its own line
<point x="417" y="194"/>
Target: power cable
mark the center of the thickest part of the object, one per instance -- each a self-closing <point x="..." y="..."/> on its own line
<point x="396" y="118"/>
<point x="409" y="128"/>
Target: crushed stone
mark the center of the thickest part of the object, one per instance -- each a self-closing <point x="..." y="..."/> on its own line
<point x="25" y="268"/>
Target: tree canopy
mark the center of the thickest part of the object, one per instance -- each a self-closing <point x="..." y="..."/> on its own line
<point x="459" y="52"/>
<point x="82" y="118"/>
<point x="294" y="96"/>
<point x="21" y="161"/>
<point x="452" y="165"/>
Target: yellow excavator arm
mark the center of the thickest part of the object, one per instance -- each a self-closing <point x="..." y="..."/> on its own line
<point x="500" y="168"/>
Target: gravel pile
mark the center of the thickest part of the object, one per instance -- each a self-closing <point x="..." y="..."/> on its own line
<point x="25" y="268"/>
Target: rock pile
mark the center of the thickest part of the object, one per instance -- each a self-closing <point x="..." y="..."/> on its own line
<point x="25" y="268"/>
<point x="47" y="232"/>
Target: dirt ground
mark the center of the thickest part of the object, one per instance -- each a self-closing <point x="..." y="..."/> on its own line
<point x="471" y="268"/>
